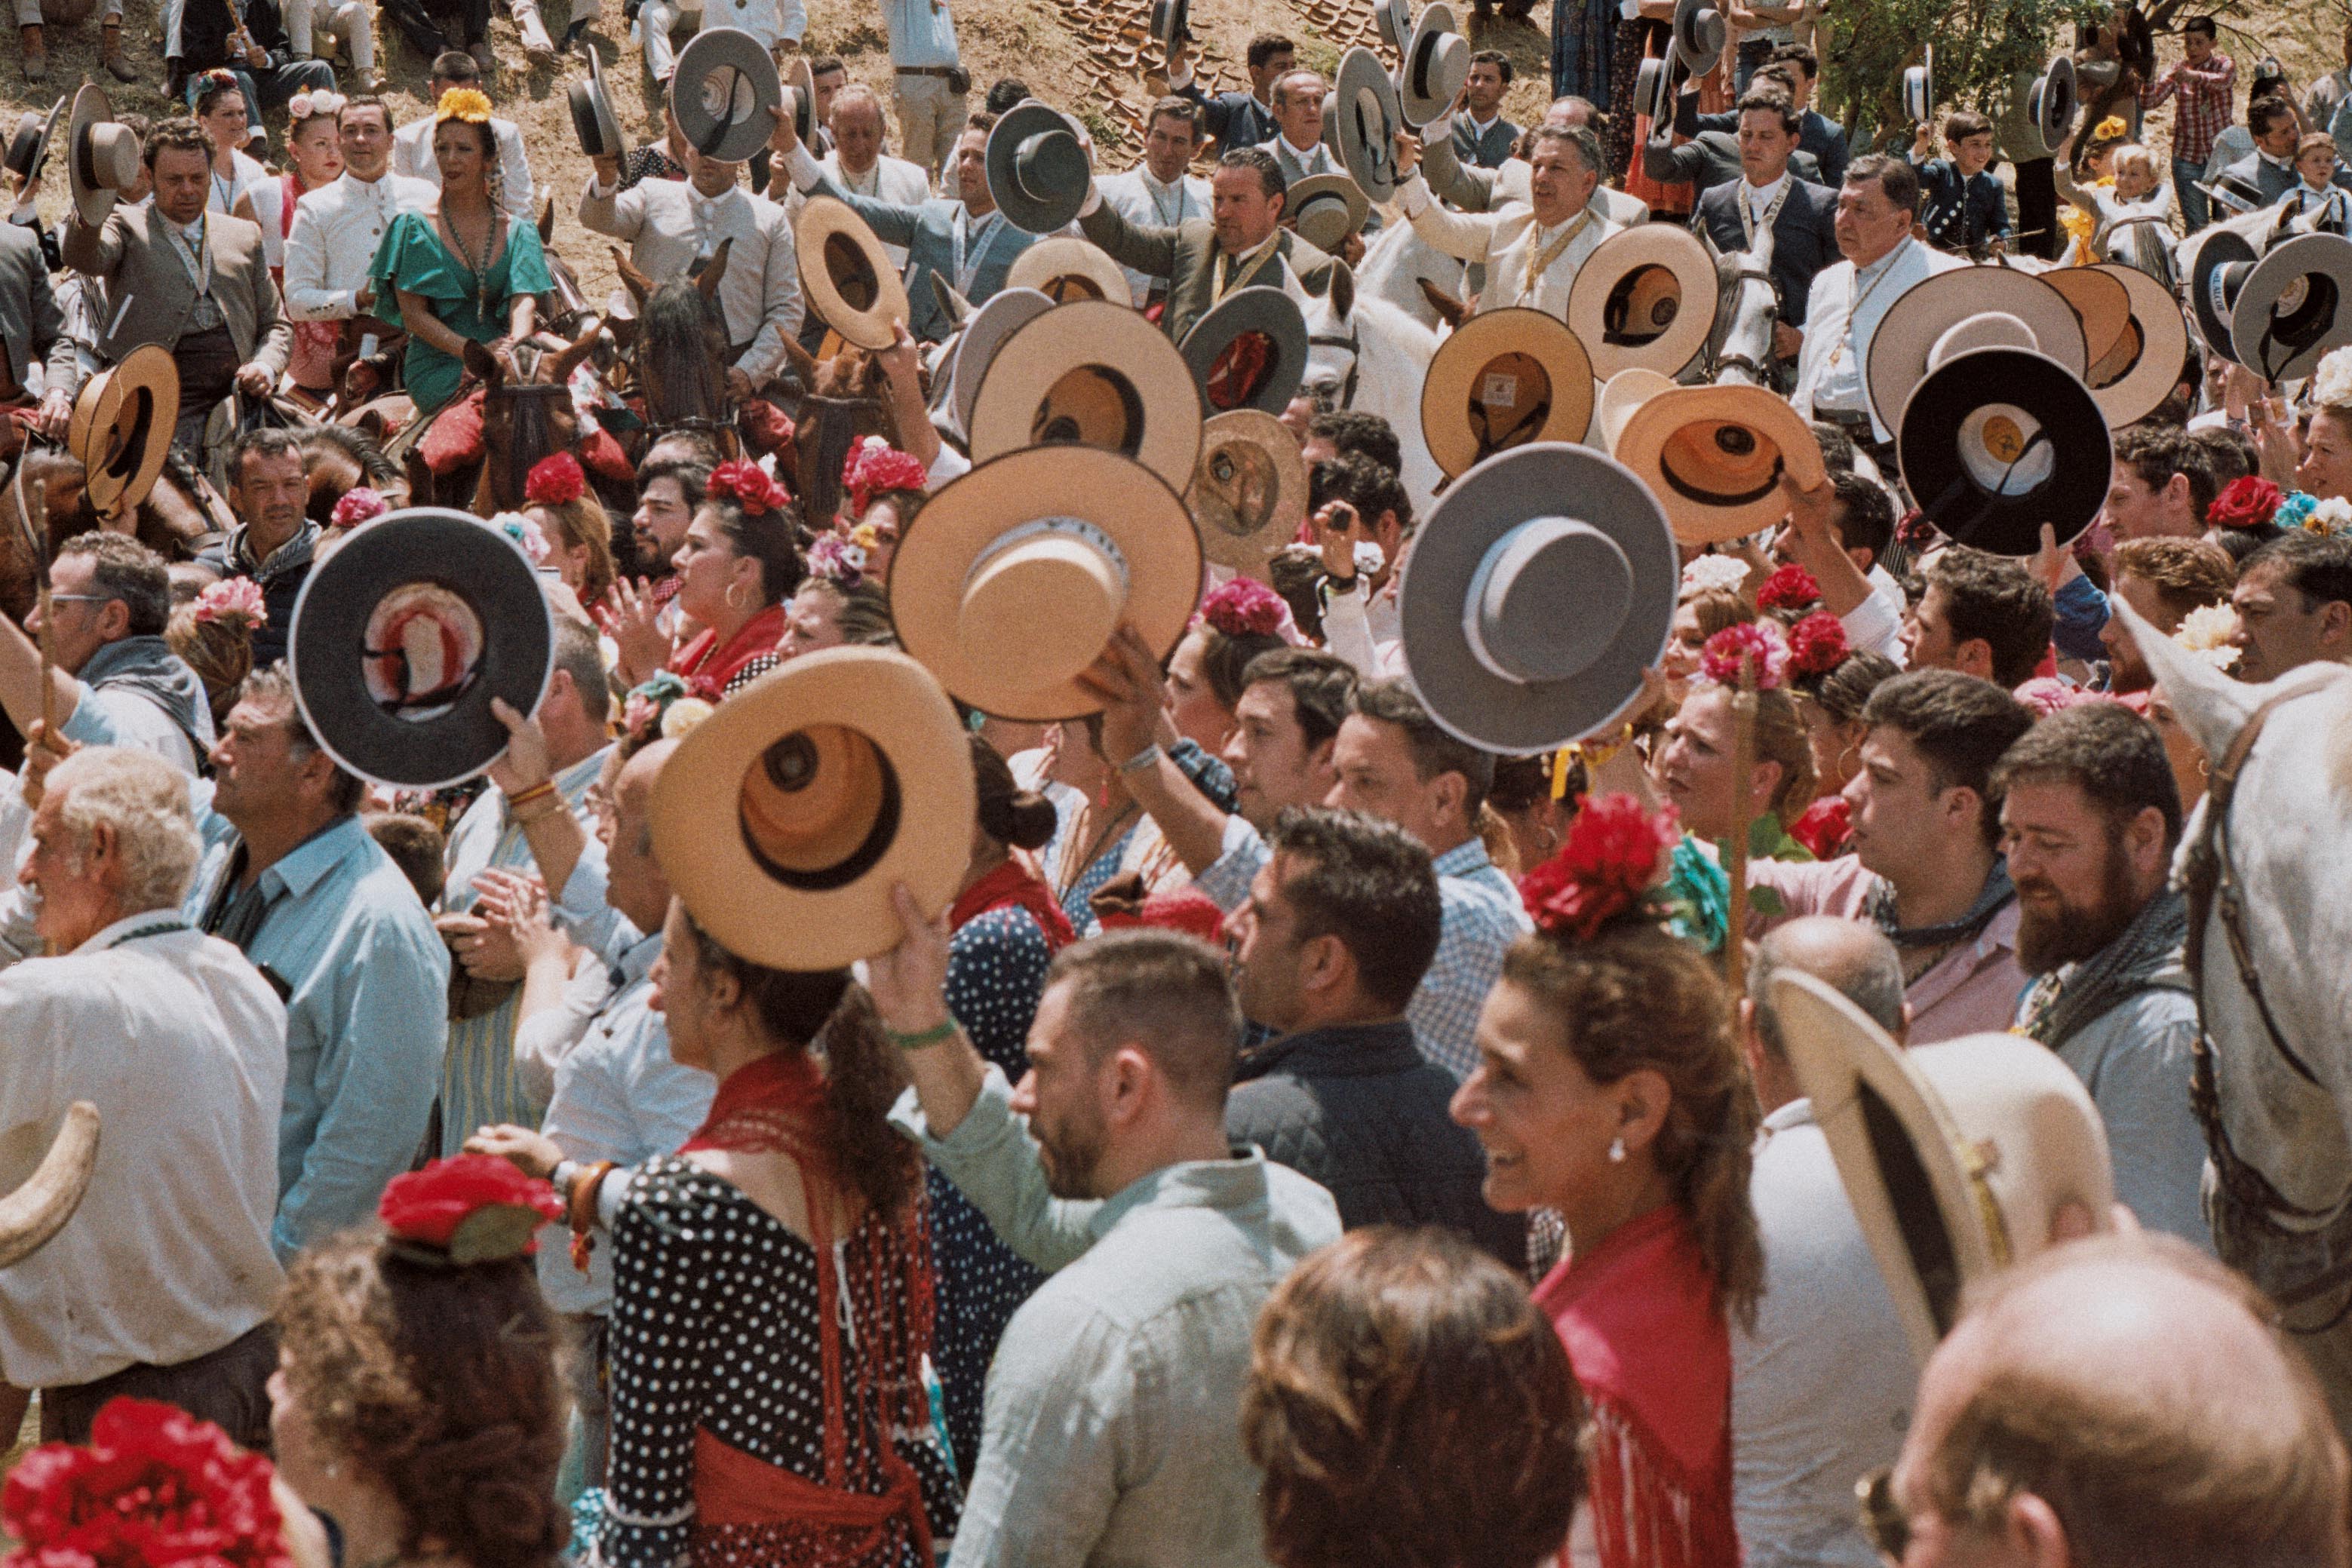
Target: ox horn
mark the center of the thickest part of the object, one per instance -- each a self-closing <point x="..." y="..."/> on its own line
<point x="39" y="1209"/>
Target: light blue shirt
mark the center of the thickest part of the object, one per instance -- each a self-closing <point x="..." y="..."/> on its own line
<point x="366" y="983"/>
<point x="2136" y="1058"/>
<point x="921" y="32"/>
<point x="1822" y="1391"/>
<point x="1483" y="916"/>
<point x="1109" y="1434"/>
<point x="618" y="1097"/>
<point x="478" y="1086"/>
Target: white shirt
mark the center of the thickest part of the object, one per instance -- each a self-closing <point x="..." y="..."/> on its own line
<point x="1760" y="198"/>
<point x="412" y="154"/>
<point x="891" y="180"/>
<point x="670" y="225"/>
<point x="1507" y="241"/>
<point x="1514" y="182"/>
<point x="768" y="21"/>
<point x="337" y="229"/>
<point x="1845" y="310"/>
<point x="227" y="188"/>
<point x="181" y="1044"/>
<point x="1139" y="197"/>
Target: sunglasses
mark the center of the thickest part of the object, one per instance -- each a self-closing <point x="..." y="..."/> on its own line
<point x="1885" y="1522"/>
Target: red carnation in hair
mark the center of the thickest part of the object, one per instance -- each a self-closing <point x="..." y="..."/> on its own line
<point x="1244" y="607"/>
<point x="2246" y="503"/>
<point x="1817" y="644"/>
<point x="1760" y="642"/>
<point x="555" y="481"/>
<point x="747" y="485"/>
<point x="1825" y="827"/>
<point x="155" y="1487"/>
<point x="874" y="467"/>
<point x="1615" y="851"/>
<point x="473" y="1206"/>
<point x="1790" y="587"/>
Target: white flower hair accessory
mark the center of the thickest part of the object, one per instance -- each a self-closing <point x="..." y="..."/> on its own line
<point x="303" y="106"/>
<point x="2333" y="515"/>
<point x="525" y="532"/>
<point x="2209" y="631"/>
<point x="1706" y="572"/>
<point x="2331" y="384"/>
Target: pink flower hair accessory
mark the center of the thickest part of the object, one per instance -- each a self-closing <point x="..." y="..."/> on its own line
<point x="1760" y="643"/>
<point x="359" y="505"/>
<point x="234" y="599"/>
<point x="1245" y="608"/>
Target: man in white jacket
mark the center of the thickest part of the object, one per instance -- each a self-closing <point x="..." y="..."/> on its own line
<point x="338" y="227"/>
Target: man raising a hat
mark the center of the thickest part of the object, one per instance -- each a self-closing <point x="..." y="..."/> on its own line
<point x="1477" y="190"/>
<point x="1241" y="242"/>
<point x="962" y="241"/>
<point x="1531" y="252"/>
<point x="35" y="327"/>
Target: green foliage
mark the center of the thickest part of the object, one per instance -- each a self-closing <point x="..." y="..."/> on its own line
<point x="1980" y="44"/>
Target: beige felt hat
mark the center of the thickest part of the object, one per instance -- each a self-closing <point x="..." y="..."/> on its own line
<point x="1504" y="379"/>
<point x="2147" y="357"/>
<point x="1713" y="456"/>
<point x="1325" y="209"/>
<point x="1067" y="269"/>
<point x="1090" y="373"/>
<point x="122" y="427"/>
<point x="1957" y="1156"/>
<point x="2100" y="302"/>
<point x="1620" y="396"/>
<point x="850" y="280"/>
<point x="1646" y="297"/>
<point x="784" y="820"/>
<point x="102" y="155"/>
<point x="1949" y="313"/>
<point x="1011" y="580"/>
<point x="1249" y="493"/>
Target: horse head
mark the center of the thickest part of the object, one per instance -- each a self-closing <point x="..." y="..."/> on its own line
<point x="527" y="415"/>
<point x="843" y="404"/>
<point x="681" y="353"/>
<point x="1333" y="347"/>
<point x="572" y="309"/>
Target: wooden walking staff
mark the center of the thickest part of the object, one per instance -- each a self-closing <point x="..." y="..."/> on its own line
<point x="1735" y="855"/>
<point x="33" y="516"/>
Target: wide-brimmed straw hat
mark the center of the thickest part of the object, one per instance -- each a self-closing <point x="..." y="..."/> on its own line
<point x="1325" y="209"/>
<point x="1504" y="379"/>
<point x="1007" y="312"/>
<point x="102" y="155"/>
<point x="1956" y="1156"/>
<point x="2148" y="358"/>
<point x="1714" y="458"/>
<point x="1067" y="269"/>
<point x="1644" y="296"/>
<point x="1249" y="493"/>
<point x="851" y="283"/>
<point x="1013" y="580"/>
<point x="406" y="634"/>
<point x="1965" y="307"/>
<point x="1090" y="373"/>
<point x="786" y="819"/>
<point x="122" y="428"/>
<point x="1535" y="594"/>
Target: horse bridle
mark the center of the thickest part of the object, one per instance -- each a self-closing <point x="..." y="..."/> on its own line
<point x="518" y="470"/>
<point x="1353" y="343"/>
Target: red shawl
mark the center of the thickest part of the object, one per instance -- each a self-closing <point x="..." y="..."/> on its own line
<point x="776" y="1105"/>
<point x="1647" y="1340"/>
<point x="1014" y="883"/>
<point x="709" y="667"/>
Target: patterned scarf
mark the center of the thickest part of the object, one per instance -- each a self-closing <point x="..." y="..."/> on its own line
<point x="2060" y="1004"/>
<point x="147" y="665"/>
<point x="1992" y="899"/>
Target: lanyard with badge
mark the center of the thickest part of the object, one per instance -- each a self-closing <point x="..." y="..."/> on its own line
<point x="1853" y="310"/>
<point x="1749" y="223"/>
<point x="965" y="274"/>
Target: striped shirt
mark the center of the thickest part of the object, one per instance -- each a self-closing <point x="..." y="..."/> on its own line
<point x="479" y="1083"/>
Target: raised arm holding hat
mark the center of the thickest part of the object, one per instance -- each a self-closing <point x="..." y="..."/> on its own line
<point x="1531" y="252"/>
<point x="35" y="328"/>
<point x="1477" y="190"/>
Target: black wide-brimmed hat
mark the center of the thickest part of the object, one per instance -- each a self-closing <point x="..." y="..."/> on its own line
<point x="1998" y="441"/>
<point x="1037" y="168"/>
<point x="30" y="145"/>
<point x="722" y="89"/>
<point x="600" y="131"/>
<point x="1250" y="351"/>
<point x="403" y="637"/>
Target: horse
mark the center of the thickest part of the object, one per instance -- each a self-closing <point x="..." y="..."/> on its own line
<point x="180" y="515"/>
<point x="1401" y="267"/>
<point x="525" y="418"/>
<point x="845" y="402"/>
<point x="1372" y="355"/>
<point x="679" y="359"/>
<point x="2263" y="858"/>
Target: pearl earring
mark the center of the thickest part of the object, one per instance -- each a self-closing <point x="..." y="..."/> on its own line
<point x="1617" y="1152"/>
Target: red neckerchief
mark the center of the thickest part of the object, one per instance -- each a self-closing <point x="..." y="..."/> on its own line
<point x="1014" y="883"/>
<point x="709" y="667"/>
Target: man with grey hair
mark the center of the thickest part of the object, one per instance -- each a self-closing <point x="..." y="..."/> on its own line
<point x="1477" y="190"/>
<point x="1822" y="1385"/>
<point x="857" y="163"/>
<point x="1531" y="252"/>
<point x="292" y="879"/>
<point x="162" y="1285"/>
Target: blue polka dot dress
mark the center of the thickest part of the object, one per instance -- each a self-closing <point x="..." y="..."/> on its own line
<point x="996" y="971"/>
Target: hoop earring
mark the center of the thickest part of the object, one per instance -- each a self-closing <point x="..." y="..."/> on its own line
<point x="730" y="596"/>
<point x="1617" y="1151"/>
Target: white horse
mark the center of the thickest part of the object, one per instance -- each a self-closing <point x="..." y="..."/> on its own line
<point x="1397" y="262"/>
<point x="1370" y="355"/>
<point x="2279" y="1112"/>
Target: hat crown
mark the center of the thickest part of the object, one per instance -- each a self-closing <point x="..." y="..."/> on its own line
<point x="1512" y="616"/>
<point x="1985" y="330"/>
<point x="1042" y="600"/>
<point x="1049" y="164"/>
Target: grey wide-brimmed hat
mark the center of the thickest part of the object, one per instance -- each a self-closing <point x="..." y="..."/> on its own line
<point x="1036" y="167"/>
<point x="1995" y="443"/>
<point x="1365" y="117"/>
<point x="1325" y="209"/>
<point x="2293" y="306"/>
<point x="405" y="635"/>
<point x="1250" y="351"/>
<point x="1919" y="90"/>
<point x="1538" y="591"/>
<point x="30" y="145"/>
<point x="1700" y="30"/>
<point x="1170" y="20"/>
<point x="1434" y="66"/>
<point x="1394" y="19"/>
<point x="2050" y="103"/>
<point x="722" y="91"/>
<point x="600" y="131"/>
<point x="1007" y="312"/>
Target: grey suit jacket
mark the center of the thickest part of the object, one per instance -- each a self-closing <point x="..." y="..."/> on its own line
<point x="926" y="230"/>
<point x="149" y="296"/>
<point x="2273" y="181"/>
<point x="1487" y="151"/>
<point x="29" y="316"/>
<point x="1186" y="256"/>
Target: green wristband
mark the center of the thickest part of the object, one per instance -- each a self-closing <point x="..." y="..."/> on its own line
<point x="922" y="1037"/>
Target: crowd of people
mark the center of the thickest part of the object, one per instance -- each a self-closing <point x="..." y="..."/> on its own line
<point x="1209" y="1102"/>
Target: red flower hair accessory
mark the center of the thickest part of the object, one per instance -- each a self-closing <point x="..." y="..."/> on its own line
<point x="2246" y="503"/>
<point x="1616" y="851"/>
<point x="1790" y="587"/>
<point x="874" y="467"/>
<point x="1825" y="827"/>
<point x="1817" y="644"/>
<point x="555" y="481"/>
<point x="1757" y="642"/>
<point x="747" y="485"/>
<point x="155" y="1489"/>
<point x="1245" y="608"/>
<point x="473" y="1208"/>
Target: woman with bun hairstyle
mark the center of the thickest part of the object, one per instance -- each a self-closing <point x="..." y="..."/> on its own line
<point x="415" y="1400"/>
<point x="1004" y="927"/>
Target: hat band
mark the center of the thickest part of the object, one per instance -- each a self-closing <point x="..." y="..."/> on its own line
<point x="1077" y="529"/>
<point x="1985" y="330"/>
<point x="1511" y="617"/>
<point x="2222" y="285"/>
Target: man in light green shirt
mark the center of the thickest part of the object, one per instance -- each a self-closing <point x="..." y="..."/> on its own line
<point x="1111" y="1428"/>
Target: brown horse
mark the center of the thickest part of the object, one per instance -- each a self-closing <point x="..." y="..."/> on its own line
<point x="525" y="417"/>
<point x="844" y="403"/>
<point x="678" y="361"/>
<point x="179" y="515"/>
